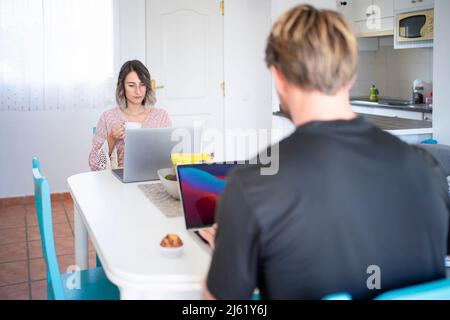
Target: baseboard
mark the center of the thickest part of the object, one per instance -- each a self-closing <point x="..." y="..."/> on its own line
<point x="24" y="200"/>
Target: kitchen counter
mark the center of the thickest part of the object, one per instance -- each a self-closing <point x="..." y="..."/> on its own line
<point x="388" y="123"/>
<point x="412" y="131"/>
<point x="399" y="126"/>
<point x="384" y="103"/>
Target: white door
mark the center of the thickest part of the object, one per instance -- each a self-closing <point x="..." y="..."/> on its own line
<point x="185" y="58"/>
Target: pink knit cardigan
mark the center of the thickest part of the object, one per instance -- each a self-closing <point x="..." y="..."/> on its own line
<point x="99" y="158"/>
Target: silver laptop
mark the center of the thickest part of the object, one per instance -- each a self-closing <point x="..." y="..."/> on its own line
<point x="147" y="150"/>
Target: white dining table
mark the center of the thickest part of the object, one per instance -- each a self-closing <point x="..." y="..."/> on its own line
<point x="126" y="229"/>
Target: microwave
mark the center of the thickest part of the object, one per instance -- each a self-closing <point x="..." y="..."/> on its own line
<point x="414" y="29"/>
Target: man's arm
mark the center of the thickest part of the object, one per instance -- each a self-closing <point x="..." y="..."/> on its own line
<point x="439" y="173"/>
<point x="233" y="269"/>
<point x="209" y="234"/>
<point x="206" y="294"/>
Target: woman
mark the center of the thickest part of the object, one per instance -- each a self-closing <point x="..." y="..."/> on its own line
<point x="135" y="99"/>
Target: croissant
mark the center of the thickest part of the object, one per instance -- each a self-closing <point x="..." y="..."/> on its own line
<point x="171" y="241"/>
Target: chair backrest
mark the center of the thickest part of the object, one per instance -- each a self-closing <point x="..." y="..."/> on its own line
<point x="338" y="296"/>
<point x="44" y="214"/>
<point x="434" y="290"/>
<point x="36" y="164"/>
<point x="441" y="153"/>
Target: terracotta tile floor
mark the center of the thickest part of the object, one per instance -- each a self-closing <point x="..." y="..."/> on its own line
<point x="22" y="266"/>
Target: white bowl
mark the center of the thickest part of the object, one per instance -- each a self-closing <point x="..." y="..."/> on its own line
<point x="172" y="252"/>
<point x="170" y="186"/>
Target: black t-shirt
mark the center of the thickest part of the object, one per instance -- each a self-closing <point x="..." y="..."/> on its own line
<point x="347" y="196"/>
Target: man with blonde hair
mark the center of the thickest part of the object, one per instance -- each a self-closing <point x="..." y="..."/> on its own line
<point x="352" y="208"/>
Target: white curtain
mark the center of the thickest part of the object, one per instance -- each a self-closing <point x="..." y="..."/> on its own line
<point x="56" y="54"/>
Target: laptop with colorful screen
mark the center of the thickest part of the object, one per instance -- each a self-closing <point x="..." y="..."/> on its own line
<point x="200" y="187"/>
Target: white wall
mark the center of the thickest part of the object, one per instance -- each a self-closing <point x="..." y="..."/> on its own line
<point x="278" y="8"/>
<point x="61" y="139"/>
<point x="247" y="80"/>
<point x="131" y="30"/>
<point x="441" y="104"/>
<point x="393" y="71"/>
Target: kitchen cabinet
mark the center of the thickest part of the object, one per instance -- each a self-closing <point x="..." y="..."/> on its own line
<point x="386" y="7"/>
<point x="363" y="29"/>
<point x="406" y="5"/>
<point x="413" y="115"/>
<point x="363" y="16"/>
<point x="428" y="116"/>
<point x="354" y="10"/>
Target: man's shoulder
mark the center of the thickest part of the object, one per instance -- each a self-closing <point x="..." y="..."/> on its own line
<point x="256" y="180"/>
<point x="243" y="173"/>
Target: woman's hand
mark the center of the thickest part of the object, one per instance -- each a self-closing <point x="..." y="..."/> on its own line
<point x="209" y="234"/>
<point x="117" y="133"/>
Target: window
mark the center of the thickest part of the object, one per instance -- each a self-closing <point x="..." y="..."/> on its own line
<point x="56" y="54"/>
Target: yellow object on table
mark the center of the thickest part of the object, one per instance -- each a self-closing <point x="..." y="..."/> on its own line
<point x="188" y="158"/>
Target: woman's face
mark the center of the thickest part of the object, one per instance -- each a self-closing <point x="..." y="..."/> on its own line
<point x="134" y="88"/>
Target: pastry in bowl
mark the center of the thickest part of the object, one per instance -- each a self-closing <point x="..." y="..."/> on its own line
<point x="171" y="241"/>
<point x="171" y="246"/>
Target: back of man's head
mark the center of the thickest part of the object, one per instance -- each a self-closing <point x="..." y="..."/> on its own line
<point x="313" y="49"/>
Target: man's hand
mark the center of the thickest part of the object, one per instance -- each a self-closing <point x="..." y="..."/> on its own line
<point x="209" y="234"/>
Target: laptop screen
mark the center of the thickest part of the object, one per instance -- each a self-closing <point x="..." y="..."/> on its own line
<point x="201" y="185"/>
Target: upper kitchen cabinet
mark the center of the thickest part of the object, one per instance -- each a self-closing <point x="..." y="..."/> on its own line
<point x="354" y="10"/>
<point x="411" y="5"/>
<point x="368" y="18"/>
<point x="386" y="7"/>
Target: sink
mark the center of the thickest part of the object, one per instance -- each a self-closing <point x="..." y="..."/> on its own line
<point x="360" y="101"/>
<point x="395" y="102"/>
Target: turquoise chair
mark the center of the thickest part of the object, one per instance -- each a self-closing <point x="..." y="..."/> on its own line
<point x="429" y="141"/>
<point x="434" y="290"/>
<point x="338" y="296"/>
<point x="91" y="284"/>
<point x="97" y="260"/>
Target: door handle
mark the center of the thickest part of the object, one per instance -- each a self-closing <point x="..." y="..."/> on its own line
<point x="155" y="87"/>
